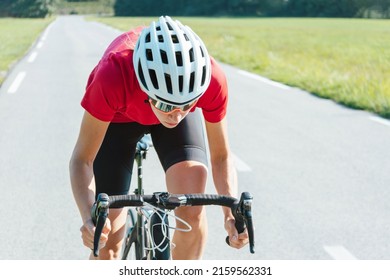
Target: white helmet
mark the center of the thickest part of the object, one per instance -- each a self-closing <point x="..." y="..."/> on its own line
<point x="171" y="62"/>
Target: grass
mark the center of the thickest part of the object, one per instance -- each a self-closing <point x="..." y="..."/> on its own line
<point x="347" y="60"/>
<point x="16" y="37"/>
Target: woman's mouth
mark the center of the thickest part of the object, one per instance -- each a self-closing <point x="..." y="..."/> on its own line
<point x="172" y="124"/>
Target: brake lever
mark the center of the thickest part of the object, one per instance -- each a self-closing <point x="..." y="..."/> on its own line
<point x="99" y="214"/>
<point x="242" y="213"/>
<point x="247" y="212"/>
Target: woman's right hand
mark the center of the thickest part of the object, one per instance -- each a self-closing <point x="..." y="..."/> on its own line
<point x="88" y="232"/>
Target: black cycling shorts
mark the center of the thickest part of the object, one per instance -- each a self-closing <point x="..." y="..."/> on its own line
<point x="114" y="162"/>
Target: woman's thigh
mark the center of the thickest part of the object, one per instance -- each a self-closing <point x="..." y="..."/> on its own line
<point x="114" y="162"/>
<point x="186" y="142"/>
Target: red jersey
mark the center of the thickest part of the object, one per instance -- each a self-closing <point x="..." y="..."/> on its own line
<point x="114" y="95"/>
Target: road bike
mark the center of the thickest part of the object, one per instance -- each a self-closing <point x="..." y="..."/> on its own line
<point x="148" y="226"/>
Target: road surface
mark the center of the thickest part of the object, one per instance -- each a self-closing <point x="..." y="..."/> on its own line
<point x="319" y="172"/>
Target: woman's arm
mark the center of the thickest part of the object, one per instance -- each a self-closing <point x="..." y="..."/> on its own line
<point x="224" y="175"/>
<point x="91" y="136"/>
<point x="224" y="172"/>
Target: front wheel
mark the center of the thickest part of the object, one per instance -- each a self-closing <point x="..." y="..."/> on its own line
<point x="131" y="248"/>
<point x="159" y="228"/>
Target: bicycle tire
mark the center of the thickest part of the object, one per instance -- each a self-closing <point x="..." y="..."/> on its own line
<point x="131" y="248"/>
<point x="157" y="227"/>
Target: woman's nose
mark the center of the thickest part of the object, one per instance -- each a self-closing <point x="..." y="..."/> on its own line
<point x="176" y="116"/>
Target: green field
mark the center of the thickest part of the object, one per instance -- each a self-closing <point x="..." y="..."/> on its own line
<point x="16" y="37"/>
<point x="347" y="60"/>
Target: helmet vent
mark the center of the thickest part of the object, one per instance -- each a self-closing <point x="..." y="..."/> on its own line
<point x="180" y="83"/>
<point x="192" y="80"/>
<point x="161" y="38"/>
<point x="164" y="56"/>
<point x="186" y="37"/>
<point x="203" y="75"/>
<point x="201" y="50"/>
<point x="141" y="76"/>
<point x="175" y="40"/>
<point x="191" y="53"/>
<point x="153" y="77"/>
<point x="168" y="82"/>
<point x="147" y="38"/>
<point x="149" y="54"/>
<point x="179" y="59"/>
<point x="169" y="26"/>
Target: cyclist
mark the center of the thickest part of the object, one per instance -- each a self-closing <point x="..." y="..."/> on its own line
<point x="151" y="80"/>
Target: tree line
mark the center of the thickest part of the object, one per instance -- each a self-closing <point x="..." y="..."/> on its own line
<point x="284" y="8"/>
<point x="26" y="8"/>
<point x="259" y="8"/>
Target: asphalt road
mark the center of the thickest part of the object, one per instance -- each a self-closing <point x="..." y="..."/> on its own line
<point x="319" y="172"/>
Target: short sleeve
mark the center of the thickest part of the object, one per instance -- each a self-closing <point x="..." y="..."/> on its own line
<point x="214" y="101"/>
<point x="100" y="99"/>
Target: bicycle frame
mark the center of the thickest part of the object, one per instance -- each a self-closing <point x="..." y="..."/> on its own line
<point x="137" y="236"/>
<point x="139" y="156"/>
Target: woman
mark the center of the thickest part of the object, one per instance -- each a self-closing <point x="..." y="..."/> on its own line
<point x="151" y="80"/>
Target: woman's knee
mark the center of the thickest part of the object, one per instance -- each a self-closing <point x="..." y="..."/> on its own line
<point x="194" y="215"/>
<point x="187" y="177"/>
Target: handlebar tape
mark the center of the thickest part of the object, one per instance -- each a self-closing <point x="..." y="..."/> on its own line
<point x="209" y="199"/>
<point x="120" y="201"/>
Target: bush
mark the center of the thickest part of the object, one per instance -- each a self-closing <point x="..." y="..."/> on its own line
<point x="26" y="8"/>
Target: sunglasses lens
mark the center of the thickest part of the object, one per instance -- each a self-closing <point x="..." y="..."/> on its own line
<point x="188" y="106"/>
<point x="166" y="108"/>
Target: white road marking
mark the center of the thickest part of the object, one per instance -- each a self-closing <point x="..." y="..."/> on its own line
<point x="32" y="57"/>
<point x="240" y="165"/>
<point x="264" y="80"/>
<point x="17" y="82"/>
<point x="380" y="120"/>
<point x="339" y="253"/>
<point x="43" y="38"/>
<point x="40" y="44"/>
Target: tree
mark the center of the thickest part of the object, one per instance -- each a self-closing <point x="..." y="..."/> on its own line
<point x="26" y="8"/>
<point x="384" y="7"/>
<point x="323" y="8"/>
<point x="4" y="7"/>
<point x="297" y="8"/>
